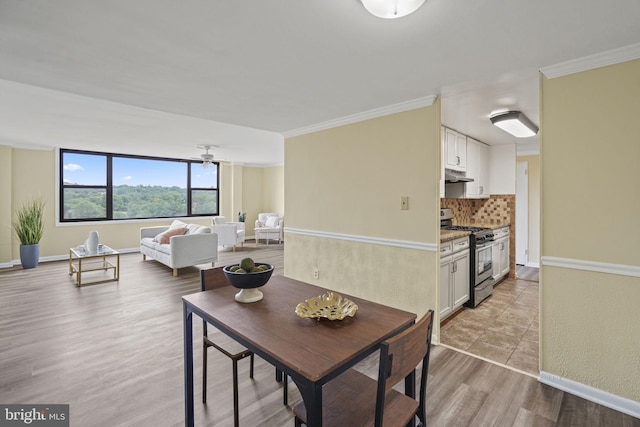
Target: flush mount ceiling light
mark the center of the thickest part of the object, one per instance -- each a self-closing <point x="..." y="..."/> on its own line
<point x="515" y="123"/>
<point x="391" y="8"/>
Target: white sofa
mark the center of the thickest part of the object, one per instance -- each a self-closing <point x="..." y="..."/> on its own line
<point x="179" y="245"/>
<point x="269" y="226"/>
<point x="229" y="233"/>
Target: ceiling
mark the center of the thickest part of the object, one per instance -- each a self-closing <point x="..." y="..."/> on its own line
<point x="160" y="77"/>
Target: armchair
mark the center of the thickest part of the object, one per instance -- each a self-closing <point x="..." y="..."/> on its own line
<point x="229" y="233"/>
<point x="269" y="226"/>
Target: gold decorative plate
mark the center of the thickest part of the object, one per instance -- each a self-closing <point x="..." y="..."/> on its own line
<point x="330" y="306"/>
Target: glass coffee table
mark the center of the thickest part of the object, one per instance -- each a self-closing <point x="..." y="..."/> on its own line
<point x="81" y="261"/>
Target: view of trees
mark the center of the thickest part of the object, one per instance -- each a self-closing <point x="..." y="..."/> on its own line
<point x="136" y="202"/>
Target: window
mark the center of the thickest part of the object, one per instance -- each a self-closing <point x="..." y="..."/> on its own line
<point x="104" y="186"/>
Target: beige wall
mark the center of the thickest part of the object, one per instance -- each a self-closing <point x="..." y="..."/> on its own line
<point x="31" y="173"/>
<point x="533" y="175"/>
<point x="590" y="209"/>
<point x="262" y="191"/>
<point x="345" y="184"/>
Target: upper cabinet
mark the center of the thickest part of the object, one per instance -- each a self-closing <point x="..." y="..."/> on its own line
<point x="455" y="150"/>
<point x="478" y="169"/>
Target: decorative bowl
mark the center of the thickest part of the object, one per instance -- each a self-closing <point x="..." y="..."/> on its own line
<point x="330" y="306"/>
<point x="248" y="282"/>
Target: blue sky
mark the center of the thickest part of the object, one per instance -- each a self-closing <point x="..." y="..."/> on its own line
<point x="87" y="169"/>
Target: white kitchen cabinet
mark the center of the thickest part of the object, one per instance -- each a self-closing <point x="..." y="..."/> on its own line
<point x="500" y="253"/>
<point x="478" y="169"/>
<point x="446" y="305"/>
<point x="460" y="286"/>
<point x="455" y="148"/>
<point x="454" y="276"/>
<point x="504" y="256"/>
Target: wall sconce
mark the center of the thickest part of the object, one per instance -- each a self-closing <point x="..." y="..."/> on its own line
<point x="515" y="123"/>
<point x="391" y="8"/>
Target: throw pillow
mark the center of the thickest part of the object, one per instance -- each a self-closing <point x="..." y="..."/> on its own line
<point x="164" y="237"/>
<point x="198" y="229"/>
<point x="177" y="224"/>
<point x="272" y="221"/>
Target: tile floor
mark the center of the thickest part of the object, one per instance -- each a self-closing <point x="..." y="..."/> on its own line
<point x="504" y="328"/>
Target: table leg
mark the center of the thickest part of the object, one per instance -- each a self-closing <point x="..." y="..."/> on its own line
<point x="312" y="397"/>
<point x="116" y="273"/>
<point x="187" y="321"/>
<point x="79" y="273"/>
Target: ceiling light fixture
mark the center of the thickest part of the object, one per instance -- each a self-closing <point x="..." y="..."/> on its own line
<point x="207" y="164"/>
<point x="515" y="123"/>
<point x="391" y="8"/>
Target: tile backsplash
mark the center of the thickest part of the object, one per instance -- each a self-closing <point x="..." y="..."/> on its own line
<point x="498" y="209"/>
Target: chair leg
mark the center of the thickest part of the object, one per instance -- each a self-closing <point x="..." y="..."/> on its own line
<point x="235" y="393"/>
<point x="285" y="391"/>
<point x="204" y="373"/>
<point x="251" y="366"/>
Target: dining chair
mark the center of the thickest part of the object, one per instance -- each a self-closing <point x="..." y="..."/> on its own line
<point x="213" y="278"/>
<point x="356" y="399"/>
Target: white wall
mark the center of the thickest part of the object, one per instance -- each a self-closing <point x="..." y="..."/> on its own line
<point x="502" y="164"/>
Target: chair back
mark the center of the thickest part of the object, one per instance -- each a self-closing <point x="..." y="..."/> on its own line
<point x="400" y="355"/>
<point x="212" y="278"/>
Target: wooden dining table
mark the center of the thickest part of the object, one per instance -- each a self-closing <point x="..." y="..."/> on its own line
<point x="310" y="351"/>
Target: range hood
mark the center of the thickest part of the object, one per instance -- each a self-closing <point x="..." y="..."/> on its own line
<point x="451" y="176"/>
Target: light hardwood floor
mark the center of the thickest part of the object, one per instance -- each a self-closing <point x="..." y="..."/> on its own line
<point x="113" y="351"/>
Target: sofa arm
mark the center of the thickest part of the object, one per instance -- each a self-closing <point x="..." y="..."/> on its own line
<point x="239" y="225"/>
<point x="152" y="231"/>
<point x="192" y="249"/>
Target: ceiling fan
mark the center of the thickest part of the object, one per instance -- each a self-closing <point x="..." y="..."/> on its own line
<point x="207" y="158"/>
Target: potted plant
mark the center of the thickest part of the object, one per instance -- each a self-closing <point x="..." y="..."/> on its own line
<point x="29" y="226"/>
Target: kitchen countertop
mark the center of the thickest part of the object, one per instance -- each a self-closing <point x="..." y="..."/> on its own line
<point x="446" y="235"/>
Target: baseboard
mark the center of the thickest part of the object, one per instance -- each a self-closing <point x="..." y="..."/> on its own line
<point x="595" y="395"/>
<point x="533" y="264"/>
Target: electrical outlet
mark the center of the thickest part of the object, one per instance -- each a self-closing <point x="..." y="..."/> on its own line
<point x="316" y="273"/>
<point x="404" y="203"/>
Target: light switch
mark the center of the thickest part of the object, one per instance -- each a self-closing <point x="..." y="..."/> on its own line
<point x="404" y="203"/>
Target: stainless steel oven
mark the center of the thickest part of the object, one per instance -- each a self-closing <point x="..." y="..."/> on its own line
<point x="483" y="266"/>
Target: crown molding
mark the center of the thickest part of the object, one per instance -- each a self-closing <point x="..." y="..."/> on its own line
<point x="365" y="115"/>
<point x="610" y="57"/>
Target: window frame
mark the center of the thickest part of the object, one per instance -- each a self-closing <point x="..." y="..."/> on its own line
<point x="109" y="187"/>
